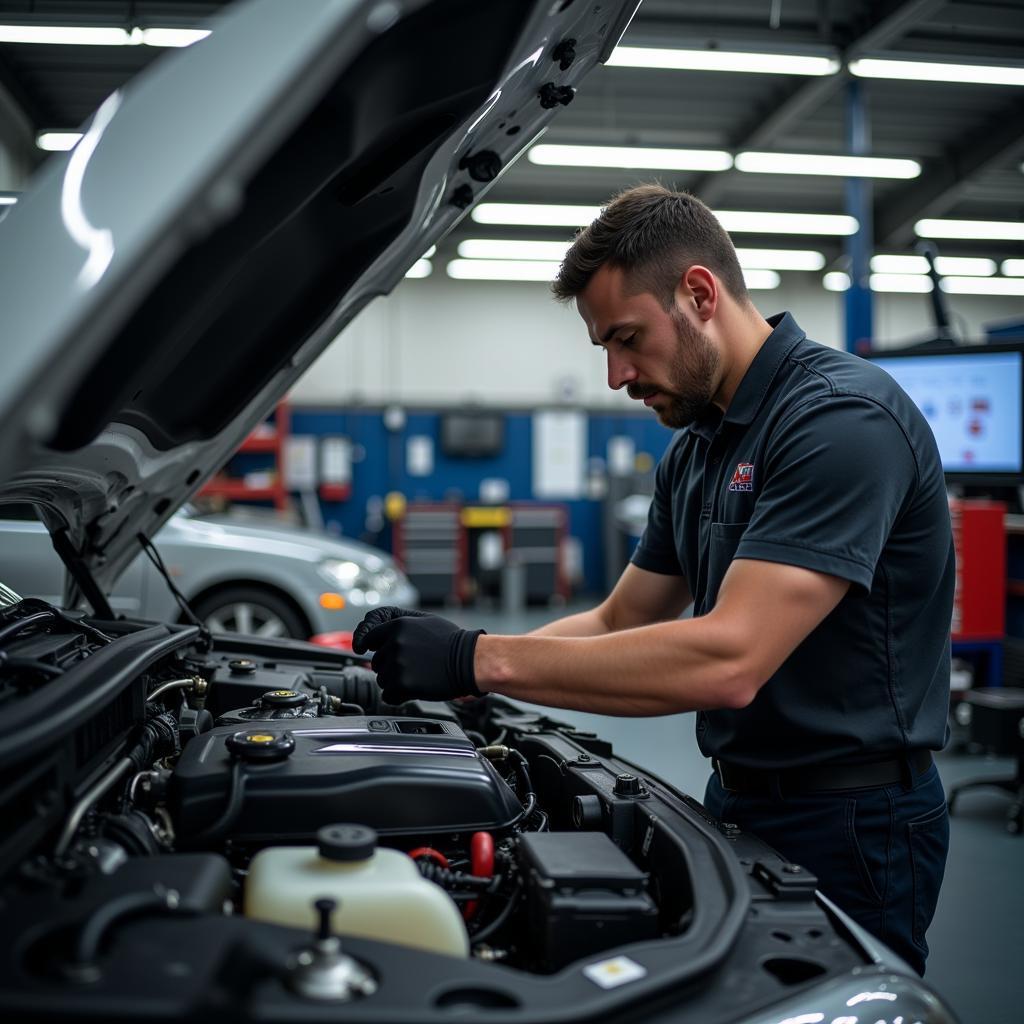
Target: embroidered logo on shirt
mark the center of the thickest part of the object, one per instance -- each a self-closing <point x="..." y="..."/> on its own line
<point x="743" y="478"/>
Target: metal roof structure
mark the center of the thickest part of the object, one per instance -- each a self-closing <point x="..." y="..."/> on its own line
<point x="968" y="137"/>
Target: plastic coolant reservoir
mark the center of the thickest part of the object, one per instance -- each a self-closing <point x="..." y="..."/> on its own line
<point x="380" y="892"/>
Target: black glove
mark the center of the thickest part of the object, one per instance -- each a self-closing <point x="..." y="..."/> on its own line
<point x="418" y="656"/>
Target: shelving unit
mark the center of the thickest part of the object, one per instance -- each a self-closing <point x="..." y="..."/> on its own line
<point x="268" y="439"/>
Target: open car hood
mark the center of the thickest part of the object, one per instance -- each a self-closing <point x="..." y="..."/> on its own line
<point x="227" y="213"/>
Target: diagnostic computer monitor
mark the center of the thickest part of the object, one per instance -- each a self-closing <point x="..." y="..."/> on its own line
<point x="973" y="399"/>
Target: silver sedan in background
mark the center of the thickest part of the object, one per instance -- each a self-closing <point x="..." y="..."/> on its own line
<point x="240" y="573"/>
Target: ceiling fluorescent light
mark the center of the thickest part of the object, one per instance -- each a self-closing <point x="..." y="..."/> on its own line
<point x="630" y="156"/>
<point x="780" y="259"/>
<point x="967" y="266"/>
<point x="421" y="268"/>
<point x="917" y="283"/>
<point x="512" y="249"/>
<point x="836" y="281"/>
<point x="935" y="71"/>
<point x="535" y="214"/>
<point x="723" y="60"/>
<point x="57" y="142"/>
<point x="1013" y="268"/>
<point x="983" y="285"/>
<point x="502" y="270"/>
<point x="760" y="280"/>
<point x="533" y="249"/>
<point x="173" y="36"/>
<point x="543" y="215"/>
<point x="92" y="35"/>
<point x="841" y="166"/>
<point x="68" y="35"/>
<point x="786" y="223"/>
<point x="1002" y="230"/>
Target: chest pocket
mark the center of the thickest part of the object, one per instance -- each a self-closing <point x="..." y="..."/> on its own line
<point x="725" y="539"/>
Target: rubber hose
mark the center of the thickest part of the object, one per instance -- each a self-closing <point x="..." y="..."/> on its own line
<point x="13" y="628"/>
<point x="101" y="920"/>
<point x="231" y="811"/>
<point x="489" y="929"/>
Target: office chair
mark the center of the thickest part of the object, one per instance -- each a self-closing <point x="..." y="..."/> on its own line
<point x="996" y="721"/>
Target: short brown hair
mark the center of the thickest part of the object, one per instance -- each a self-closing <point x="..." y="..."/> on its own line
<point x="653" y="234"/>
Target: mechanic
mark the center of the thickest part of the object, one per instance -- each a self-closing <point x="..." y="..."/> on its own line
<point x="801" y="507"/>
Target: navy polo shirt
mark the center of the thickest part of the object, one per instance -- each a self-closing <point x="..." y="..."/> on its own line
<point x="820" y="461"/>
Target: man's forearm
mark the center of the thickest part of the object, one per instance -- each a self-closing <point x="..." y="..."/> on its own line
<point x="588" y="623"/>
<point x="653" y="670"/>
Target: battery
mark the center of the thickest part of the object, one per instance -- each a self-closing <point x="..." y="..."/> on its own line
<point x="584" y="896"/>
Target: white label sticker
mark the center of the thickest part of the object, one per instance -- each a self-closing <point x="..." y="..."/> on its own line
<point x="620" y="970"/>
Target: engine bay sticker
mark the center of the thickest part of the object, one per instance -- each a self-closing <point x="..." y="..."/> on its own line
<point x="620" y="970"/>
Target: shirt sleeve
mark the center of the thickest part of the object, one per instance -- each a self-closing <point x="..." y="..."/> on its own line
<point x="656" y="551"/>
<point x="838" y="473"/>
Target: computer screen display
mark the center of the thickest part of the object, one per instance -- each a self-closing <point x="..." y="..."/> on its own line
<point x="972" y="398"/>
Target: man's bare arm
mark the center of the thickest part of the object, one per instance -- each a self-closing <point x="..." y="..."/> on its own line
<point x="639" y="598"/>
<point x="764" y="610"/>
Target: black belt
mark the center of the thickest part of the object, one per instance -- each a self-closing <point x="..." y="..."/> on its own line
<point x="819" y="777"/>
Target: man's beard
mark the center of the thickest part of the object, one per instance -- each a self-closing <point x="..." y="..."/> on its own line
<point x="692" y="374"/>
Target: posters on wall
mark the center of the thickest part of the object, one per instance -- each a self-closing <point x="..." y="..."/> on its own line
<point x="559" y="454"/>
<point x="419" y="455"/>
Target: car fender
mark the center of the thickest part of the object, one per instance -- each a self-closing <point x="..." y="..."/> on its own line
<point x="196" y="570"/>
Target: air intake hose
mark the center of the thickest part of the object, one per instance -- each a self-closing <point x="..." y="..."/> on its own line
<point x="353" y="685"/>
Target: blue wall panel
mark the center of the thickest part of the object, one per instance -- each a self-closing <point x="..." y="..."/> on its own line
<point x="380" y="467"/>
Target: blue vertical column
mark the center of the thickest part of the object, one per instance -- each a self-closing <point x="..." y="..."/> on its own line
<point x="859" y="304"/>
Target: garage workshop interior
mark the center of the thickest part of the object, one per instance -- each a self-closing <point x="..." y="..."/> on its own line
<point x="312" y="309"/>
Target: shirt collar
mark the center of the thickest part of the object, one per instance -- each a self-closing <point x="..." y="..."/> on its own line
<point x="753" y="388"/>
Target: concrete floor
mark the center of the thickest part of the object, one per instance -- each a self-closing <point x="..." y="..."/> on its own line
<point x="977" y="936"/>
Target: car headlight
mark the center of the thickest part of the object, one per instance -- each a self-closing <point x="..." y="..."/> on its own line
<point x="345" y="574"/>
<point x="360" y="584"/>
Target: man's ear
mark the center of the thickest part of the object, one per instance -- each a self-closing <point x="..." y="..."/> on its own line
<point x="699" y="288"/>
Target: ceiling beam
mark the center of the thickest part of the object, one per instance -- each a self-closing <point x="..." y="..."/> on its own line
<point x="998" y="141"/>
<point x="763" y="130"/>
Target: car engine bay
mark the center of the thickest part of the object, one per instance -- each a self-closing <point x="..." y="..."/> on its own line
<point x="201" y="826"/>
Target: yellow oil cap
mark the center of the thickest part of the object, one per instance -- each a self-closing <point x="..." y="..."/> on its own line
<point x="262" y="747"/>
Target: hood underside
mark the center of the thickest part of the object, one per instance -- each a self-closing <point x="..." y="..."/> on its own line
<point x="227" y="214"/>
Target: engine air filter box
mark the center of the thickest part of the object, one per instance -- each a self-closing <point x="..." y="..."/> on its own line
<point x="584" y="896"/>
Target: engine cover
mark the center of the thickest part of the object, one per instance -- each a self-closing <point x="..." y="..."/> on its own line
<point x="401" y="776"/>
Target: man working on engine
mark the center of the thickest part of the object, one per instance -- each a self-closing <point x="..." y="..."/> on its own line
<point x="801" y="507"/>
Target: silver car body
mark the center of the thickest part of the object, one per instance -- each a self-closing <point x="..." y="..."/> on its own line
<point x="206" y="554"/>
<point x="146" y="249"/>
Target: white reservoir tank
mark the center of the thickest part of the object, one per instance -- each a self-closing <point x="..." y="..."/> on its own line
<point x="380" y="892"/>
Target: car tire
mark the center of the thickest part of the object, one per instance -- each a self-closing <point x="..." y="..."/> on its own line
<point x="250" y="610"/>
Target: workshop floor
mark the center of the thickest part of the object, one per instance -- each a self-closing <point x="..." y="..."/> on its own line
<point x="977" y="936"/>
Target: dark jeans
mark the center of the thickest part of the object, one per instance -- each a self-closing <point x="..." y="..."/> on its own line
<point x="878" y="853"/>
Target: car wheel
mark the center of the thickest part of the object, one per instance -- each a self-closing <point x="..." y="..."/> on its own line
<point x="251" y="611"/>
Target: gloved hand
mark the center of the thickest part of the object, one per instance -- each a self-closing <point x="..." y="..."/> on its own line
<point x="418" y="656"/>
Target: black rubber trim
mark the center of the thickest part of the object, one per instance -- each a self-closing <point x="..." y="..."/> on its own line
<point x="48" y="716"/>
